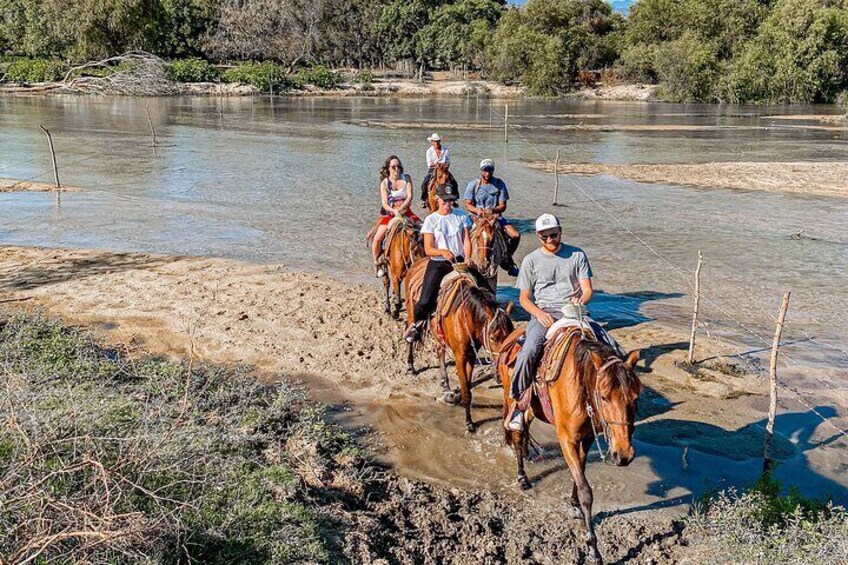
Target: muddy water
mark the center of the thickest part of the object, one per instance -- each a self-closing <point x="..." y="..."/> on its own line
<point x="294" y="181"/>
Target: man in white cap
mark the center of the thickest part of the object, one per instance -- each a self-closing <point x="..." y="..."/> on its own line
<point x="555" y="281"/>
<point x="436" y="153"/>
<point x="487" y="193"/>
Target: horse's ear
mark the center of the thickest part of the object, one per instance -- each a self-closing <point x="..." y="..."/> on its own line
<point x="510" y="306"/>
<point x="633" y="358"/>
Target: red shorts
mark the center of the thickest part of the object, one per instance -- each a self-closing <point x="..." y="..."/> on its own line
<point x="384" y="220"/>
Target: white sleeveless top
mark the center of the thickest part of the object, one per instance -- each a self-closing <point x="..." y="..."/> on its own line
<point x="397" y="195"/>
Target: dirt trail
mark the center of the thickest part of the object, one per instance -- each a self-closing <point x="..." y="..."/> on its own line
<point x="827" y="179"/>
<point x="336" y="338"/>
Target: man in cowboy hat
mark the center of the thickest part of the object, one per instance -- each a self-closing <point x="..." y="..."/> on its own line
<point x="488" y="194"/>
<point x="436" y="153"/>
<point x="555" y="282"/>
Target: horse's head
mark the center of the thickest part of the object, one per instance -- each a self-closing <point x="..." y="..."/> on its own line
<point x="486" y="244"/>
<point x="441" y="174"/>
<point x="616" y="393"/>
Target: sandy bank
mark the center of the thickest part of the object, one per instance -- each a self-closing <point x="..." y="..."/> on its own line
<point x="14" y="185"/>
<point x="830" y="179"/>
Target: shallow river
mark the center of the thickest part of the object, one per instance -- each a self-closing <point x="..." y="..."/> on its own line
<point x="294" y="181"/>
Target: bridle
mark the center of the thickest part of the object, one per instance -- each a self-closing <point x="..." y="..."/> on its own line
<point x="604" y="423"/>
<point x="487" y="246"/>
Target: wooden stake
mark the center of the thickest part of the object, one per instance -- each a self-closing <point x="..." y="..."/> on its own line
<point x="52" y="156"/>
<point x="150" y="123"/>
<point x="691" y="358"/>
<point x="775" y="349"/>
<point x="556" y="178"/>
<point x="506" y="124"/>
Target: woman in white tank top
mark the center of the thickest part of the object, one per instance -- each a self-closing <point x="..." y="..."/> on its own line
<point x="395" y="199"/>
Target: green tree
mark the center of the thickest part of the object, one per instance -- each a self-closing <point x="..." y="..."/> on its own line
<point x="546" y="43"/>
<point x="458" y="32"/>
<point x="799" y="55"/>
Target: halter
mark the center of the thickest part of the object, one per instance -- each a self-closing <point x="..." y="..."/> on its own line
<point x="489" y="249"/>
<point x="604" y="423"/>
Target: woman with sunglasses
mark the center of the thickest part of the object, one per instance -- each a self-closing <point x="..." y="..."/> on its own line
<point x="395" y="201"/>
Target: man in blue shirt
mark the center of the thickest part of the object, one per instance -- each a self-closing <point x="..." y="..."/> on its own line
<point x="489" y="194"/>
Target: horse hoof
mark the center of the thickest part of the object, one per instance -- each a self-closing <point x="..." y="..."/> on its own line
<point x="574" y="513"/>
<point x="594" y="559"/>
<point x="396" y="314"/>
<point x="524" y="483"/>
<point x="451" y="398"/>
<point x="410" y="370"/>
<point x="471" y="427"/>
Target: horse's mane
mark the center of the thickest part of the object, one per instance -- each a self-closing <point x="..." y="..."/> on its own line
<point x="614" y="376"/>
<point x="478" y="300"/>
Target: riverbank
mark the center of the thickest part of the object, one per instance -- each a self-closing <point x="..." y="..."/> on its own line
<point x="335" y="337"/>
<point x="827" y="179"/>
<point x="457" y="488"/>
<point x="382" y="87"/>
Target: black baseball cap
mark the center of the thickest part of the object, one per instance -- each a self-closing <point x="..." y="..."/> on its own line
<point x="447" y="192"/>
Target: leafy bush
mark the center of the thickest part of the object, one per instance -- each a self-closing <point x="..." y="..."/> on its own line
<point x="320" y="76"/>
<point x="637" y="62"/>
<point x="263" y="76"/>
<point x="763" y="526"/>
<point x="192" y="70"/>
<point x="687" y="67"/>
<point x="26" y="71"/>
<point x="363" y="76"/>
<point x="171" y="462"/>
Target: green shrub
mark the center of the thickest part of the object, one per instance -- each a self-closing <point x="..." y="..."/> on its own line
<point x="192" y="70"/>
<point x="637" y="62"/>
<point x="764" y="526"/>
<point x="25" y="71"/>
<point x="320" y="76"/>
<point x="363" y="76"/>
<point x="687" y="68"/>
<point x="263" y="76"/>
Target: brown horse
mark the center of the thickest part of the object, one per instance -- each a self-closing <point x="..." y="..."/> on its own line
<point x="592" y="391"/>
<point x="441" y="175"/>
<point x="467" y="319"/>
<point x="488" y="247"/>
<point x="403" y="246"/>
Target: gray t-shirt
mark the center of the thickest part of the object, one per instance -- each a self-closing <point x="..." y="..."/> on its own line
<point x="554" y="279"/>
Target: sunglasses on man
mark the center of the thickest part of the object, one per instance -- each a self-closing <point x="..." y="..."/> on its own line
<point x="550" y="236"/>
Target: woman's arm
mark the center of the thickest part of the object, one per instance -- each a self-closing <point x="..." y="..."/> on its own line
<point x="384" y="196"/>
<point x="466" y="243"/>
<point x="410" y="190"/>
<point x="431" y="250"/>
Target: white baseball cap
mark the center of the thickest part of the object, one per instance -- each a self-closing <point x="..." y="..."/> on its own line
<point x="434" y="137"/>
<point x="546" y="222"/>
<point x="487" y="163"/>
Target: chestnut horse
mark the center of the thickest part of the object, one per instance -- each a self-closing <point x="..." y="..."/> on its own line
<point x="403" y="246"/>
<point x="441" y="175"/>
<point x="467" y="319"/>
<point x="592" y="391"/>
<point x="488" y="247"/>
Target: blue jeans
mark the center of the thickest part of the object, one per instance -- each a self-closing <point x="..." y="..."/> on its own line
<point x="534" y="347"/>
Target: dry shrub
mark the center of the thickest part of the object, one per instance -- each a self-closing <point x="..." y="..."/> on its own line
<point x="104" y="459"/>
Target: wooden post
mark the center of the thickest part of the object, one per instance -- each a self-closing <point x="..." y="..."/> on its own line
<point x="150" y="123"/>
<point x="691" y="358"/>
<point x="775" y="349"/>
<point x="556" y="178"/>
<point x="506" y="124"/>
<point x="52" y="156"/>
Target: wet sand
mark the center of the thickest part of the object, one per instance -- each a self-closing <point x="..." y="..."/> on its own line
<point x="336" y="338"/>
<point x="14" y="185"/>
<point x="828" y="179"/>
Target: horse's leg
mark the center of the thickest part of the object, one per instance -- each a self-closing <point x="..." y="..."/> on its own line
<point x="396" y="279"/>
<point x="387" y="286"/>
<point x="575" y="512"/>
<point x="448" y="396"/>
<point x="571" y="451"/>
<point x="464" y="368"/>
